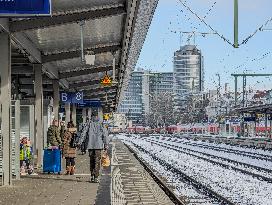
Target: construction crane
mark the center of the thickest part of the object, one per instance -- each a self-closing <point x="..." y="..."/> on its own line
<point x="244" y="75"/>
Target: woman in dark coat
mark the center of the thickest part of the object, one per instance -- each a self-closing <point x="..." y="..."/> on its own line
<point x="69" y="148"/>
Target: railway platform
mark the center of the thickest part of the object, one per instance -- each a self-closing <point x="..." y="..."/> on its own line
<point x="131" y="183"/>
<point x="53" y="189"/>
<point x="125" y="182"/>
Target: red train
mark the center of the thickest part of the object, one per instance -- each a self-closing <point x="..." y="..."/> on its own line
<point x="199" y="128"/>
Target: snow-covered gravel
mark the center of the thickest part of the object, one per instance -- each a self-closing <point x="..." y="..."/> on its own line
<point x="181" y="189"/>
<point x="240" y="188"/>
<point x="233" y="156"/>
<point x="239" y="166"/>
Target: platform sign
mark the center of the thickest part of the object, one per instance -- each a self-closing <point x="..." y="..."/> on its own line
<point x="249" y="119"/>
<point x="91" y="103"/>
<point x="25" y="8"/>
<point x="77" y="98"/>
<point x="67" y="97"/>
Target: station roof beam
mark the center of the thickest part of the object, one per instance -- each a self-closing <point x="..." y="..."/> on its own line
<point x="101" y="95"/>
<point x="76" y="54"/>
<point x="92" y="91"/>
<point x="91" y="70"/>
<point x="39" y="23"/>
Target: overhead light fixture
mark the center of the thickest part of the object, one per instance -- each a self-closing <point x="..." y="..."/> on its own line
<point x="82" y="24"/>
<point x="90" y="59"/>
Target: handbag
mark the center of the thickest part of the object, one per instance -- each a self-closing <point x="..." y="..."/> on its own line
<point x="105" y="159"/>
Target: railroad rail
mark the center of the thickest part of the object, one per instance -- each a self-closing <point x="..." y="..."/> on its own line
<point x="173" y="197"/>
<point x="229" y="150"/>
<point x="187" y="179"/>
<point x="176" y="148"/>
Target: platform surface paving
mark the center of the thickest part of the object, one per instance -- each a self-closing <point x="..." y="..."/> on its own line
<point x="45" y="189"/>
<point x="131" y="184"/>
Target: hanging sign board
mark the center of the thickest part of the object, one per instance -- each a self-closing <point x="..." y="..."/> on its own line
<point x="91" y="103"/>
<point x="76" y="98"/>
<point x="106" y="81"/>
<point x="249" y="119"/>
<point x="25" y="8"/>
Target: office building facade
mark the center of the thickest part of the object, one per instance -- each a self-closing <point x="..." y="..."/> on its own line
<point x="188" y="73"/>
<point x="142" y="87"/>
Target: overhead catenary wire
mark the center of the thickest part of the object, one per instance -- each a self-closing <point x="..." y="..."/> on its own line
<point x="255" y="59"/>
<point x="261" y="28"/>
<point x="194" y="28"/>
<point x="256" y="31"/>
<point x="208" y="25"/>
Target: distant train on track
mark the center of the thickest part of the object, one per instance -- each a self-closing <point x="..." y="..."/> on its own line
<point x="197" y="128"/>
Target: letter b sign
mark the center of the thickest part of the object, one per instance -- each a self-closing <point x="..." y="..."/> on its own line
<point x="65" y="97"/>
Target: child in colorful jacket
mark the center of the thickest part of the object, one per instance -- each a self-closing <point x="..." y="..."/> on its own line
<point x="25" y="156"/>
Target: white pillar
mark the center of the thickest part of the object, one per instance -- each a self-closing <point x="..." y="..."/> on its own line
<point x="32" y="127"/>
<point x="89" y="113"/>
<point x="17" y="138"/>
<point x="74" y="114"/>
<point x="84" y="115"/>
<point x="5" y="100"/>
<point x="67" y="113"/>
<point x="38" y="113"/>
<point x="100" y="114"/>
<point x="56" y="99"/>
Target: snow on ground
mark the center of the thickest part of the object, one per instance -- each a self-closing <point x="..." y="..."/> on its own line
<point x="225" y="146"/>
<point x="240" y="188"/>
<point x="181" y="188"/>
<point x="225" y="154"/>
<point x="250" y="169"/>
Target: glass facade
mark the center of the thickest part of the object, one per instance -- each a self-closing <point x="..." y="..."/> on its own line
<point x="188" y="72"/>
<point x="132" y="104"/>
<point x="144" y="84"/>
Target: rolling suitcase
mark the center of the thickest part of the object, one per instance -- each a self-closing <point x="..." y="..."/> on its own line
<point x="52" y="161"/>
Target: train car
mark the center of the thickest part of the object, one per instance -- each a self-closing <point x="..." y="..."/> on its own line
<point x="213" y="128"/>
<point x="172" y="129"/>
<point x="136" y="129"/>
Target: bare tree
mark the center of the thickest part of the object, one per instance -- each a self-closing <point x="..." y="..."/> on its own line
<point x="194" y="110"/>
<point x="161" y="110"/>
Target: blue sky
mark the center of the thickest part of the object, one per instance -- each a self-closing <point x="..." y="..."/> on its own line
<point x="219" y="57"/>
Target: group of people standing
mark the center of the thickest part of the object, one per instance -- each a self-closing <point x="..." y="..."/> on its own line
<point x="93" y="136"/>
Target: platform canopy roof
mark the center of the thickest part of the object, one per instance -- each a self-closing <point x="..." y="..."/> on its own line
<point x="112" y="29"/>
<point x="266" y="108"/>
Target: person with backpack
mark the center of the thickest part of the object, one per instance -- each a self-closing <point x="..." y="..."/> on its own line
<point x="69" y="148"/>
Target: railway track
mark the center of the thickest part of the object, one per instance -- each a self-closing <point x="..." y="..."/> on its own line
<point x="210" y="194"/>
<point x="158" y="180"/>
<point x="228" y="150"/>
<point x="234" y="167"/>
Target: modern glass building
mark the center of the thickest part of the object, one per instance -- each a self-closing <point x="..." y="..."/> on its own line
<point x="132" y="104"/>
<point x="142" y="87"/>
<point x="161" y="82"/>
<point x="188" y="72"/>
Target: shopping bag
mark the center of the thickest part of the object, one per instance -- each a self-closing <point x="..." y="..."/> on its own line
<point x="105" y="159"/>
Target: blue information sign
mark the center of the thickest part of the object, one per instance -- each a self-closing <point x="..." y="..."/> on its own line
<point x="65" y="97"/>
<point x="11" y="8"/>
<point x="91" y="103"/>
<point x="76" y="98"/>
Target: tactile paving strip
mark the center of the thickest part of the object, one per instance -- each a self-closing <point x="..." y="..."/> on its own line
<point x="131" y="184"/>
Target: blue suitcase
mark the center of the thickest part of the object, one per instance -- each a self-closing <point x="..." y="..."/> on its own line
<point x="52" y="161"/>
